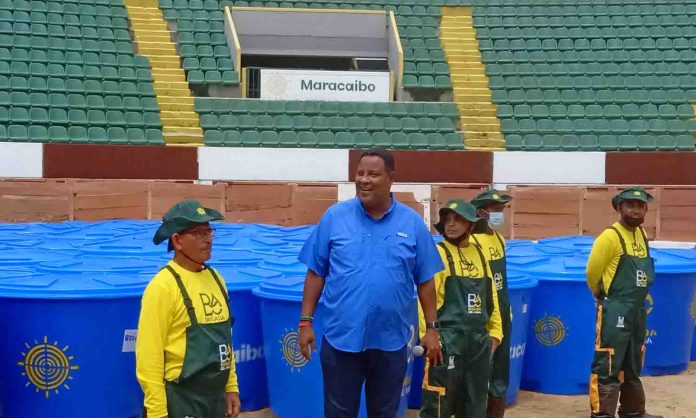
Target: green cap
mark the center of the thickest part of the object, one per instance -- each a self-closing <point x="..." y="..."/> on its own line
<point x="489" y="196"/>
<point x="631" y="193"/>
<point x="182" y="216"/>
<point x="464" y="209"/>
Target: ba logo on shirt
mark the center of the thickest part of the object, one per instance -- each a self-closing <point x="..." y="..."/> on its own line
<point x="495" y="253"/>
<point x="498" y="280"/>
<point x="638" y="250"/>
<point x="474" y="303"/>
<point x="468" y="269"/>
<point x="225" y="360"/>
<point x="212" y="307"/>
<point x="641" y="279"/>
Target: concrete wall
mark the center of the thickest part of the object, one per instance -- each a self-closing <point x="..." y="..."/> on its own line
<point x="535" y="212"/>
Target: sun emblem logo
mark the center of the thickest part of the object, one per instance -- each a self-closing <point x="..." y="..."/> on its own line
<point x="550" y="330"/>
<point x="290" y="347"/>
<point x="47" y="367"/>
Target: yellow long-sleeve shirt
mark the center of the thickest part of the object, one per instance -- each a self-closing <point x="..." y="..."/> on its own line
<point x="161" y="343"/>
<point x="495" y="323"/>
<point x="606" y="252"/>
<point x="492" y="250"/>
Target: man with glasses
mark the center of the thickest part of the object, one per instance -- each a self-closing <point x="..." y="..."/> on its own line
<point x="184" y="358"/>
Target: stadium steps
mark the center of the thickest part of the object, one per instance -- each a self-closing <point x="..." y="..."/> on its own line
<point x="469" y="81"/>
<point x="180" y="122"/>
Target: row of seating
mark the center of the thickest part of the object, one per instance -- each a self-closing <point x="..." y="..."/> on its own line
<point x="81" y="134"/>
<point x="581" y="44"/>
<point x="595" y="111"/>
<point x="591" y="68"/>
<point x="80" y="101"/>
<point x="93" y="117"/>
<point x="583" y="82"/>
<point x="90" y="86"/>
<point x="589" y="33"/>
<point x="327" y="139"/>
<point x="326" y="108"/>
<point x="591" y="96"/>
<point x="85" y="7"/>
<point x="598" y="126"/>
<point x="562" y="8"/>
<point x="618" y="56"/>
<point x="572" y="21"/>
<point x="331" y="123"/>
<point x="588" y="142"/>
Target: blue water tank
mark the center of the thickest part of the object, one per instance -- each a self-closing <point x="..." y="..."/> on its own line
<point x="74" y="351"/>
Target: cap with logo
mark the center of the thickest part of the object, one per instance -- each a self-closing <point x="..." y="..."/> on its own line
<point x="490" y="196"/>
<point x="464" y="209"/>
<point x="182" y="216"/>
<point x="631" y="193"/>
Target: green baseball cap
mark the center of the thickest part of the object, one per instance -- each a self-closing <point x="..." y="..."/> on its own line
<point x="490" y="196"/>
<point x="631" y="193"/>
<point x="464" y="209"/>
<point x="182" y="216"/>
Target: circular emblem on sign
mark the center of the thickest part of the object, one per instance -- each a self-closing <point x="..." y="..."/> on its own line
<point x="290" y="347"/>
<point x="693" y="307"/>
<point x="277" y="84"/>
<point x="649" y="304"/>
<point x="47" y="366"/>
<point x="550" y="330"/>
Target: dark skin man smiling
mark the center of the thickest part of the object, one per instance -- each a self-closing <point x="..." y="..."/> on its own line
<point x="366" y="256"/>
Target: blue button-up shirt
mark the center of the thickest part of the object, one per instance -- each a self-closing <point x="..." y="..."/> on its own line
<point x="370" y="268"/>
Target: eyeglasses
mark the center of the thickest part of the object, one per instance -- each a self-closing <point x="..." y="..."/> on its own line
<point x="200" y="233"/>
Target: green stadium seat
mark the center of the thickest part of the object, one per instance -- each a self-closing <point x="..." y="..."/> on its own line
<point x="269" y="139"/>
<point x="251" y="138"/>
<point x="344" y="139"/>
<point x="288" y="139"/>
<point x="306" y="139"/>
<point x="17" y="133"/>
<point x="325" y="139"/>
<point x="36" y="133"/>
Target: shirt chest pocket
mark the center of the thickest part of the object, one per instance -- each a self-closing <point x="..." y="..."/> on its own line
<point x="398" y="250"/>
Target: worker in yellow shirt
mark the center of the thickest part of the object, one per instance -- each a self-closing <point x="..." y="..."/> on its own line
<point x="184" y="358"/>
<point x="490" y="205"/>
<point x="620" y="273"/>
<point x="468" y="318"/>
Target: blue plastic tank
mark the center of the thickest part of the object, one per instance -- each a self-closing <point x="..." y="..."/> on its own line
<point x="521" y="290"/>
<point x="247" y="340"/>
<point x="74" y="351"/>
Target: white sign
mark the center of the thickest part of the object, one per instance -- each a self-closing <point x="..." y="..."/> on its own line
<point x="343" y="86"/>
<point x="129" y="338"/>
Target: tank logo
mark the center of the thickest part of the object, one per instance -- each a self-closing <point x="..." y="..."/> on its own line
<point x="649" y="304"/>
<point x="47" y="366"/>
<point x="550" y="330"/>
<point x="290" y="347"/>
<point x="693" y="307"/>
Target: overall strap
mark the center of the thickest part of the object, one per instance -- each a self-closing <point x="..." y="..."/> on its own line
<point x="645" y="239"/>
<point x="187" y="300"/>
<point x="500" y="240"/>
<point x="450" y="259"/>
<point x="222" y="288"/>
<point x="483" y="261"/>
<point x="623" y="243"/>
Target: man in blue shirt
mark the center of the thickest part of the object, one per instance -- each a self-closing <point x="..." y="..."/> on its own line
<point x="366" y="255"/>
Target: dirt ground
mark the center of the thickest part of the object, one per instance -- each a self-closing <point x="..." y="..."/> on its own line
<point x="671" y="396"/>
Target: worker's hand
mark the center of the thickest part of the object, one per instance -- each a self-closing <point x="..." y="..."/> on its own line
<point x="495" y="343"/>
<point x="233" y="404"/>
<point x="431" y="342"/>
<point x="308" y="342"/>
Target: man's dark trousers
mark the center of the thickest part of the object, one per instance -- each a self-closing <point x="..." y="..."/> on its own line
<point x="344" y="373"/>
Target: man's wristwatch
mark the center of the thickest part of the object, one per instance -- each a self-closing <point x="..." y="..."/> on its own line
<point x="433" y="325"/>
